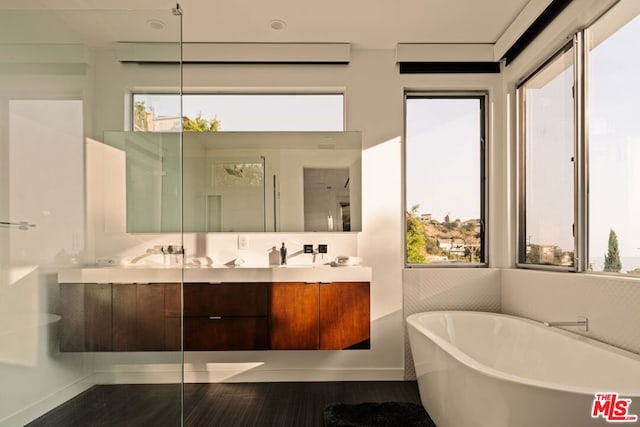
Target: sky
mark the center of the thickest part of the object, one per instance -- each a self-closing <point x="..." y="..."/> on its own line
<point x="615" y="141"/>
<point x="443" y="157"/>
<point x="257" y="112"/>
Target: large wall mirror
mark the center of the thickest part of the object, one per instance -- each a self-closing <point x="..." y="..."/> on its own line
<point x="241" y="181"/>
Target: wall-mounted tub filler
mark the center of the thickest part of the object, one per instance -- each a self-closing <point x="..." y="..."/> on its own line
<point x="582" y="322"/>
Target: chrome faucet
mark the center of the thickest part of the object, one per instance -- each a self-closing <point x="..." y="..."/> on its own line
<point x="582" y="322"/>
<point x="283" y="254"/>
<point x="172" y="254"/>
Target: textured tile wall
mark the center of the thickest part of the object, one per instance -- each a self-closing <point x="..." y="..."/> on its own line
<point x="431" y="289"/>
<point x="612" y="304"/>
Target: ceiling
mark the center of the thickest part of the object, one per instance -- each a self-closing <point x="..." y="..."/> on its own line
<point x="370" y="24"/>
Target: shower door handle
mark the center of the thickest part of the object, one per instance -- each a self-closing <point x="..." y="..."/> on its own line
<point x="22" y="225"/>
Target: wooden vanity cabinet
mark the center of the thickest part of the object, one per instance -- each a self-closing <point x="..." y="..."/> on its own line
<point x="226" y="316"/>
<point x="120" y="317"/>
<point x="345" y="318"/>
<point x="86" y="317"/>
<point x="152" y="312"/>
<point x="125" y="312"/>
<point x="294" y="318"/>
<point x="173" y="317"/>
<point x="325" y="316"/>
<point x="72" y="324"/>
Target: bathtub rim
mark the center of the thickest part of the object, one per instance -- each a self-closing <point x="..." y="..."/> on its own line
<point x="472" y="363"/>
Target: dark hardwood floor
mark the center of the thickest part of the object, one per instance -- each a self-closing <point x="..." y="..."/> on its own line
<point x="296" y="404"/>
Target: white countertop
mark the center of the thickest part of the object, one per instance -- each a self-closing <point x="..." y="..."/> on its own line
<point x="176" y="274"/>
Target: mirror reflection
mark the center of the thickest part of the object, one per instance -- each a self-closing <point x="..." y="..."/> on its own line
<point x="241" y="181"/>
<point x="327" y="204"/>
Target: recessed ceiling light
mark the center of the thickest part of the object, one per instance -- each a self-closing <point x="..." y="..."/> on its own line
<point x="277" y="24"/>
<point x="155" y="24"/>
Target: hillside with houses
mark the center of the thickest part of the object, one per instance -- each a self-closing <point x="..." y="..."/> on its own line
<point x="451" y="240"/>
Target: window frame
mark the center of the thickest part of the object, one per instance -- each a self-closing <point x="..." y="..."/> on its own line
<point x="581" y="107"/>
<point x="579" y="164"/>
<point x="483" y="97"/>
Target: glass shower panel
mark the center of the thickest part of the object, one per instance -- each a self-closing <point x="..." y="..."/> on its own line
<point x="90" y="311"/>
<point x="150" y="168"/>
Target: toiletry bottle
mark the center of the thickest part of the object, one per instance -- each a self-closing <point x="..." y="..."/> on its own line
<point x="283" y="254"/>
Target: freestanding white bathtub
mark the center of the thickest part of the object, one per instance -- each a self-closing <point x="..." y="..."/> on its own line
<point x="493" y="370"/>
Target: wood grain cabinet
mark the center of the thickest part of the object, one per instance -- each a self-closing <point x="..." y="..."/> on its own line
<point x="120" y="317"/>
<point x="227" y="316"/>
<point x="344" y="316"/>
<point x="325" y="316"/>
<point x="294" y="318"/>
<point x="85" y="317"/>
<point x="146" y="317"/>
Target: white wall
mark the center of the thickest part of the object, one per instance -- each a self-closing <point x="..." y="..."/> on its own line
<point x="44" y="146"/>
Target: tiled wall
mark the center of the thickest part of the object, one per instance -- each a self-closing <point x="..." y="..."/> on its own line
<point x="431" y="289"/>
<point x="612" y="304"/>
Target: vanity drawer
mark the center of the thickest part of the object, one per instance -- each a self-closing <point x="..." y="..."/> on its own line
<point x="226" y="299"/>
<point x="233" y="333"/>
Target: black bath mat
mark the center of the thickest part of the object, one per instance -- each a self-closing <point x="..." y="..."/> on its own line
<point x="369" y="414"/>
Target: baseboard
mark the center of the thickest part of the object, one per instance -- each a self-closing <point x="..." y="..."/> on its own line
<point x="242" y="375"/>
<point x="293" y="375"/>
<point x="47" y="403"/>
<point x="137" y="377"/>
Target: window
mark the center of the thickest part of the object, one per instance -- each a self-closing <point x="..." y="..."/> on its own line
<point x="238" y="112"/>
<point x="614" y="145"/>
<point x="547" y="164"/>
<point x="444" y="179"/>
<point x="579" y="151"/>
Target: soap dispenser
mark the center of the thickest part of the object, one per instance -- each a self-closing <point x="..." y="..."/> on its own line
<point x="283" y="254"/>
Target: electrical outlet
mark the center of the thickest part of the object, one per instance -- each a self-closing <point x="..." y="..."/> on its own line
<point x="322" y="249"/>
<point x="243" y="241"/>
<point x="308" y="249"/>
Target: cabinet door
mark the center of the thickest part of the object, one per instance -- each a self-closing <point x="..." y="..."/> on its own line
<point x="172" y="317"/>
<point x="219" y="333"/>
<point x="124" y="317"/>
<point x="98" y="317"/>
<point x="294" y="316"/>
<point x="72" y="327"/>
<point x="344" y="315"/>
<point x="226" y="299"/>
<point x="150" y="319"/>
<point x="228" y="316"/>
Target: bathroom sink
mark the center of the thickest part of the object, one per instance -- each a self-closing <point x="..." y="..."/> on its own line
<point x="213" y="274"/>
<point x="302" y="266"/>
<point x="139" y="266"/>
